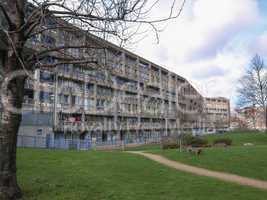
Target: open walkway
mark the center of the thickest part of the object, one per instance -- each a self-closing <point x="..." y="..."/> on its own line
<point x="204" y="172"/>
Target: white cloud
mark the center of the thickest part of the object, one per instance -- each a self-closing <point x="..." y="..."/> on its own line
<point x="206" y="44"/>
<point x="260" y="45"/>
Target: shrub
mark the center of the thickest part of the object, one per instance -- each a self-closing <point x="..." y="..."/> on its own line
<point x="170" y="146"/>
<point x="169" y="143"/>
<point x="194" y="141"/>
<point x="226" y="141"/>
<point x="187" y="139"/>
<point x="199" y="142"/>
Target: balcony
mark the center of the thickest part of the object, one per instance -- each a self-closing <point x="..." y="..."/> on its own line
<point x="44" y="106"/>
<point x="151" y="125"/>
<point x="131" y="87"/>
<point x="29" y="84"/>
<point x="127" y="126"/>
<point x="70" y="90"/>
<point x="28" y="104"/>
<point x="72" y="74"/>
<point x="90" y="78"/>
<point x="172" y="126"/>
<point x="70" y="126"/>
<point x="118" y="70"/>
<point x="47" y="87"/>
<point x="104" y="111"/>
<point x="153" y="83"/>
<point x="151" y="93"/>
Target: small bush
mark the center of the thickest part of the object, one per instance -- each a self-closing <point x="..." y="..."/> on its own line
<point x="199" y="142"/>
<point x="170" y="146"/>
<point x="188" y="139"/>
<point x="169" y="143"/>
<point x="226" y="141"/>
<point x="194" y="141"/>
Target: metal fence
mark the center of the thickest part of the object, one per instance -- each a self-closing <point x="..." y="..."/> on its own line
<point x="47" y="142"/>
<point x="77" y="144"/>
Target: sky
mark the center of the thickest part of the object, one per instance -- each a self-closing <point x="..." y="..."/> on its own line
<point x="211" y="43"/>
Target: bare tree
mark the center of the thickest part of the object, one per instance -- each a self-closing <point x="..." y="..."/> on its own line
<point x="253" y="86"/>
<point x="22" y="21"/>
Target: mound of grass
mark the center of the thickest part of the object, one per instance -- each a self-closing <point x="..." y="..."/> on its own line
<point x="226" y="141"/>
<point x="241" y="160"/>
<point x="239" y="138"/>
<point x="69" y="175"/>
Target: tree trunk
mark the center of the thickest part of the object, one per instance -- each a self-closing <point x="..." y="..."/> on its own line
<point x="10" y="122"/>
<point x="9" y="188"/>
<point x="265" y="118"/>
<point x="9" y="125"/>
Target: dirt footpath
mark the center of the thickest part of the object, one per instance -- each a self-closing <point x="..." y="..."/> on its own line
<point x="204" y="172"/>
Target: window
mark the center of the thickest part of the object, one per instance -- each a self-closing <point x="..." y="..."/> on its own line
<point x="46" y="77"/>
<point x="48" y="60"/>
<point x="73" y="100"/>
<point x="39" y="131"/>
<point x="51" y="23"/>
<point x="100" y="104"/>
<point x="47" y="40"/>
<point x="66" y="99"/>
<point x="46" y="97"/>
<point x="66" y="68"/>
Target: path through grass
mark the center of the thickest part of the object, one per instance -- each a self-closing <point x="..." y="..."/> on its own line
<point x="46" y="175"/>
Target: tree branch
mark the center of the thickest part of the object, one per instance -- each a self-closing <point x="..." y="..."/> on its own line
<point x="6" y="15"/>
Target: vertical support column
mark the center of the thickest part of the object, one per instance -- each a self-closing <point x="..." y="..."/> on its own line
<point x="55" y="120"/>
<point x="123" y="62"/>
<point x="37" y="88"/>
<point x="139" y="106"/>
<point x="160" y="81"/>
<point x="150" y="73"/>
<point x="151" y="128"/>
<point x="115" y="111"/>
<point x="169" y="92"/>
<point x="84" y="103"/>
<point x="95" y="96"/>
<point x="162" y="99"/>
<point x="169" y="102"/>
<point x="177" y="106"/>
<point x="166" y="126"/>
<point x="104" y="128"/>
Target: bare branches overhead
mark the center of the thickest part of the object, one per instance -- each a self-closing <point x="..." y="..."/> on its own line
<point x="116" y="18"/>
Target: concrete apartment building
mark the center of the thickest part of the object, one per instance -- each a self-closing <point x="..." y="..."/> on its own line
<point x="123" y="96"/>
<point x="217" y="114"/>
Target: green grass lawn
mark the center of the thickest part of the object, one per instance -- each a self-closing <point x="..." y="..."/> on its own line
<point x="239" y="138"/>
<point x="49" y="175"/>
<point x="243" y="160"/>
<point x="144" y="147"/>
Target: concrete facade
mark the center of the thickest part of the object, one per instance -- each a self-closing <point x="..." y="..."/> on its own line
<point x="119" y="95"/>
<point x="217" y="114"/>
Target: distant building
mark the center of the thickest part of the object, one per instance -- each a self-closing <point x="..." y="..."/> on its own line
<point x="251" y="117"/>
<point x="217" y="114"/>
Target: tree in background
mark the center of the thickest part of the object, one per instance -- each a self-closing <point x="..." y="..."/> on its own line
<point x="253" y="86"/>
<point x="22" y="21"/>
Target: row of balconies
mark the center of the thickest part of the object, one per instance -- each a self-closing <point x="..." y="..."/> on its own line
<point x="123" y="109"/>
<point x="79" y="90"/>
<point x="112" y="59"/>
